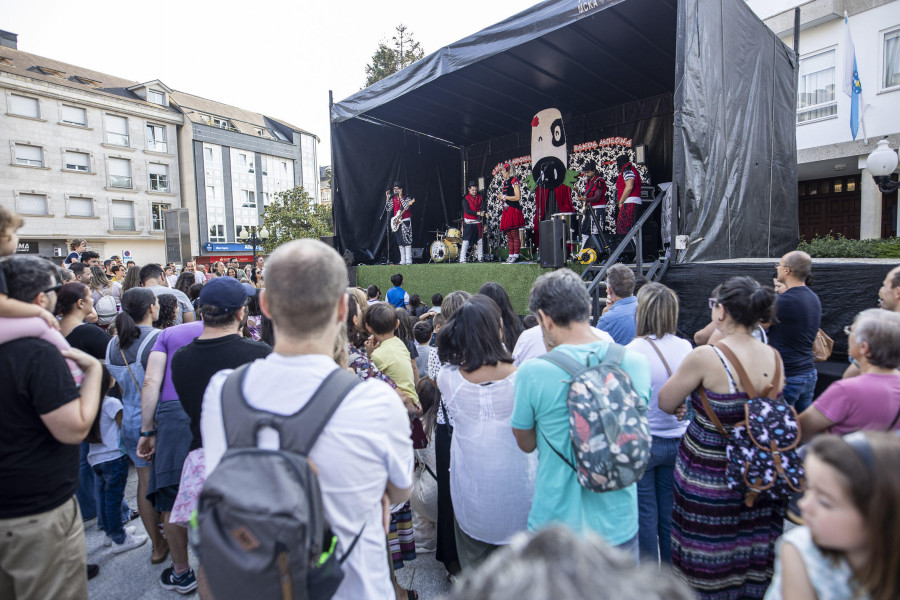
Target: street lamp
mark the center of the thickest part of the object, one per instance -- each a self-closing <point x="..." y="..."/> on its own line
<point x="881" y="163"/>
<point x="249" y="235"/>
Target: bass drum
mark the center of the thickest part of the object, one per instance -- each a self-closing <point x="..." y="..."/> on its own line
<point x="444" y="251"/>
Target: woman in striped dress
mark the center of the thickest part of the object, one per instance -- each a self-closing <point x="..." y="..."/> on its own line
<point x="722" y="548"/>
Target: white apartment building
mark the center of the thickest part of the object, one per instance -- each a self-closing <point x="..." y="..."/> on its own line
<point x="836" y="192"/>
<point x="233" y="162"/>
<point x="86" y="155"/>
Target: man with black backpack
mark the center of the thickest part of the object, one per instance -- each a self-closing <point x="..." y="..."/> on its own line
<point x="605" y="390"/>
<point x="295" y="450"/>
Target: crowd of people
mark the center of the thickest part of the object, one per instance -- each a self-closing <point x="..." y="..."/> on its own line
<point x="465" y="431"/>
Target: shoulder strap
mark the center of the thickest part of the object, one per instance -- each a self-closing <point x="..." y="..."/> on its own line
<point x="710" y="412"/>
<point x="660" y="355"/>
<point x="150" y="337"/>
<point x="742" y="373"/>
<point x="564" y="362"/>
<point x="297" y="432"/>
<point x="771" y="389"/>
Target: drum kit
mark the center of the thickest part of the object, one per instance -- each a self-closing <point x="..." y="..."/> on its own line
<point x="446" y="247"/>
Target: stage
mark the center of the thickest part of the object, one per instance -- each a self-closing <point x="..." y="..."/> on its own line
<point x="844" y="286"/>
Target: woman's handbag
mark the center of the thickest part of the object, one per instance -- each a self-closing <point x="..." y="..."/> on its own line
<point x="822" y="346"/>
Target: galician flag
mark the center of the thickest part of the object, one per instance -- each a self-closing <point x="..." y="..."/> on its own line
<point x="852" y="86"/>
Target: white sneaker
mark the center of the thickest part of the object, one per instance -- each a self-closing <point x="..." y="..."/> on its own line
<point x="128" y="531"/>
<point x="131" y="542"/>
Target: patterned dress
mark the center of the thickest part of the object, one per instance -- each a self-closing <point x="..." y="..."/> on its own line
<point x="720" y="547"/>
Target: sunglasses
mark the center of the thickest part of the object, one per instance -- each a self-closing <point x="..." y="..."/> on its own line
<point x="713" y="302"/>
<point x="55" y="288"/>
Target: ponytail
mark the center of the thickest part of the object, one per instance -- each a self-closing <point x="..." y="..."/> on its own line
<point x="135" y="304"/>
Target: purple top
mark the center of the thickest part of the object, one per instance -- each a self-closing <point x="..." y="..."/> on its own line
<point x="169" y="341"/>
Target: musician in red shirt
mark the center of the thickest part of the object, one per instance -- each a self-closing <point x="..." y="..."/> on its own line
<point x="472" y="213"/>
<point x="594" y="198"/>
<point x="628" y="195"/>
<point x="399" y="205"/>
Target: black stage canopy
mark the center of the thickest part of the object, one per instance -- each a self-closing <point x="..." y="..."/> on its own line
<point x="703" y="83"/>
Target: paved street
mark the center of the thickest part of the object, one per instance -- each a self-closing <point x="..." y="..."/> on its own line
<point x="131" y="576"/>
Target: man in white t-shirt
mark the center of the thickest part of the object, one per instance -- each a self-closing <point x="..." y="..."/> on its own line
<point x="364" y="452"/>
<point x="531" y="343"/>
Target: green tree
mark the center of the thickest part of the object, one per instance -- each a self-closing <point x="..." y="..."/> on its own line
<point x="403" y="51"/>
<point x="292" y="215"/>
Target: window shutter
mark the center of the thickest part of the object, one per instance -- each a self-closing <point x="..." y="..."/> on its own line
<point x="119" y="167"/>
<point x="29" y="152"/>
<point x="81" y="207"/>
<point x="22" y="105"/>
<point x="118" y="125"/>
<point x="78" y="159"/>
<point x="75" y="115"/>
<point x="32" y="204"/>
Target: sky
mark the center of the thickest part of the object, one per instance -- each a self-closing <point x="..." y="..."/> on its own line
<point x="276" y="57"/>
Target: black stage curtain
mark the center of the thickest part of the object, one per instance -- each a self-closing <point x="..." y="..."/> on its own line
<point x="376" y="155"/>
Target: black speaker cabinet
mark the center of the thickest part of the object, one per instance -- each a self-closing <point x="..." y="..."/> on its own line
<point x="553" y="243"/>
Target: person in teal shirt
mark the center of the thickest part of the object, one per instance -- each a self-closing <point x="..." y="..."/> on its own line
<point x="561" y="304"/>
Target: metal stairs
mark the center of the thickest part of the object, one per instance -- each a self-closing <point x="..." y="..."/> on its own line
<point x="594" y="274"/>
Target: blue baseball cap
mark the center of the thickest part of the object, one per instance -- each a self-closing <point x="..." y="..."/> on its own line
<point x="225" y="292"/>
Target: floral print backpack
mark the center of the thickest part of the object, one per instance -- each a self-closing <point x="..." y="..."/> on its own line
<point x="607" y="422"/>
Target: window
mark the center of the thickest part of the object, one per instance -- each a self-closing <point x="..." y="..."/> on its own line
<point x="31" y="156"/>
<point x="116" y="130"/>
<point x="156" y="212"/>
<point x="156" y="97"/>
<point x="53" y="72"/>
<point x="249" y="199"/>
<point x="851" y="184"/>
<point x="159" y="178"/>
<point x="217" y="233"/>
<point x="33" y="204"/>
<point x="891" y="59"/>
<point x="73" y="115"/>
<point x="208" y="154"/>
<point x="24" y="106"/>
<point x="816" y="90"/>
<point x="210" y="192"/>
<point x="156" y="138"/>
<point x="243" y="159"/>
<point x="120" y="173"/>
<point x="87" y="80"/>
<point x="78" y="161"/>
<point x="284" y="168"/>
<point x="81" y="207"/>
<point x="121" y="213"/>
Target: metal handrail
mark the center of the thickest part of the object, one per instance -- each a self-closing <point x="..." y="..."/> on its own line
<point x="633" y="234"/>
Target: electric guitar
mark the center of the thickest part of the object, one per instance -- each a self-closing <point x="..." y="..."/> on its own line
<point x="396" y="219"/>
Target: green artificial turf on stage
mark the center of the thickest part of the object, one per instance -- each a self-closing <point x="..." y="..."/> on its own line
<point x="428" y="279"/>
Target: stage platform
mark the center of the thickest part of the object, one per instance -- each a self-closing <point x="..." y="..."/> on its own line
<point x="845" y="286"/>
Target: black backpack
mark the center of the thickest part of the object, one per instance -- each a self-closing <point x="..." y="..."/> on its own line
<point x="261" y="527"/>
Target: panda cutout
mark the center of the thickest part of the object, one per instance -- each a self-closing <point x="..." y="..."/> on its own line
<point x="548" y="149"/>
<point x="549" y="167"/>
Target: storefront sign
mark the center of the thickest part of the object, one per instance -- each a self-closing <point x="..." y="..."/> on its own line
<point x="27" y="247"/>
<point x="210" y="247"/>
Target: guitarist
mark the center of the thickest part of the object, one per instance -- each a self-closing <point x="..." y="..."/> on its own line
<point x="400" y="211"/>
<point x="472" y="211"/>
